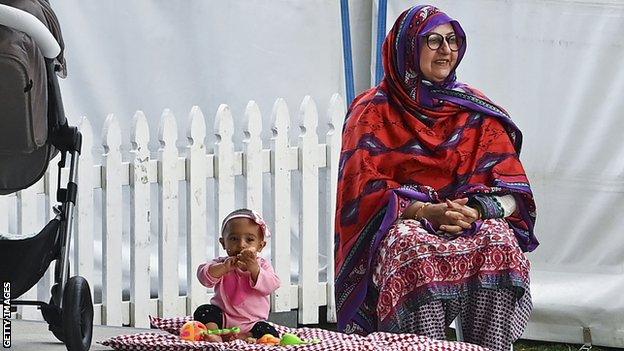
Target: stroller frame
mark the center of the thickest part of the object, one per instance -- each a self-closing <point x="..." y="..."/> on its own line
<point x="69" y="312"/>
<point x="53" y="311"/>
<point x="64" y="214"/>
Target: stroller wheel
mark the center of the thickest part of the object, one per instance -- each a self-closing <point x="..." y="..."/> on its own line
<point x="77" y="314"/>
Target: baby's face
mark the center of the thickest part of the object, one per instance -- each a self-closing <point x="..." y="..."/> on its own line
<point x="240" y="234"/>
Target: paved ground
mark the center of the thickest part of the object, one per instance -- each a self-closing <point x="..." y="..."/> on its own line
<point x="35" y="336"/>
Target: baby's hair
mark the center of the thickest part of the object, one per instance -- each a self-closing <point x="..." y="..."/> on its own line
<point x="247" y="213"/>
<point x="241" y="211"/>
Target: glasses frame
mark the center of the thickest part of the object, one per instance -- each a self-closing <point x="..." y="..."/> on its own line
<point x="444" y="39"/>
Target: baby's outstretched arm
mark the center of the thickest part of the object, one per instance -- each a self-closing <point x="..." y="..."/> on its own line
<point x="210" y="273"/>
<point x="220" y="269"/>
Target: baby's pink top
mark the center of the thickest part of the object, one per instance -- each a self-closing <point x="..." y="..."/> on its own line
<point x="242" y="302"/>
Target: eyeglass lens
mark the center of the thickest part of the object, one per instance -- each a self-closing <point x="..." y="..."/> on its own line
<point x="435" y="40"/>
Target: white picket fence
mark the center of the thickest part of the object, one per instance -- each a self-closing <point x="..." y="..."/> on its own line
<point x="195" y="168"/>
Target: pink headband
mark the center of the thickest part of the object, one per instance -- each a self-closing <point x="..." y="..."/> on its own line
<point x="251" y="214"/>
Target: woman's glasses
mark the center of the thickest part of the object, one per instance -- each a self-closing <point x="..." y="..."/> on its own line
<point x="435" y="40"/>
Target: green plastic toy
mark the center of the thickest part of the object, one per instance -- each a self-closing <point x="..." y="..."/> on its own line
<point x="233" y="330"/>
<point x="292" y="339"/>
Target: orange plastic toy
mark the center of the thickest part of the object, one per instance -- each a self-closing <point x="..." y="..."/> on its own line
<point x="192" y="331"/>
<point x="268" y="339"/>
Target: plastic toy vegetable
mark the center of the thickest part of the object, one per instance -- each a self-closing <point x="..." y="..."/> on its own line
<point x="218" y="335"/>
<point x="192" y="331"/>
<point x="233" y="330"/>
<point x="268" y="339"/>
<point x="292" y="339"/>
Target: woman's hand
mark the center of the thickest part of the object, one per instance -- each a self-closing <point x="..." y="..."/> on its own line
<point x="459" y="216"/>
<point x="469" y="214"/>
<point x="442" y="217"/>
<point x="451" y="216"/>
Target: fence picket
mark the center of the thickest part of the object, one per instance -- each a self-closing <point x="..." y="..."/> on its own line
<point x="336" y="114"/>
<point x="4" y="213"/>
<point x="27" y="224"/>
<point x="50" y="185"/>
<point x="308" y="216"/>
<point x="168" y="286"/>
<point x="83" y="233"/>
<point x="196" y="237"/>
<point x="280" y="184"/>
<point x="253" y="157"/>
<point x="139" y="223"/>
<point x="112" y="223"/>
<point x="224" y="168"/>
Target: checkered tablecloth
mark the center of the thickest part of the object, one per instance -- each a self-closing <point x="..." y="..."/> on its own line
<point x="330" y="341"/>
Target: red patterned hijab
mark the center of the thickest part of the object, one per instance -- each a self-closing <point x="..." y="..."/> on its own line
<point x="422" y="140"/>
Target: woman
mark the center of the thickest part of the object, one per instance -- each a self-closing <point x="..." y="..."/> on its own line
<point x="434" y="209"/>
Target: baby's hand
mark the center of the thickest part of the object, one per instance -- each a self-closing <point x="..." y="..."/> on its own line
<point x="247" y="255"/>
<point x="220" y="269"/>
<point x="246" y="259"/>
<point x="230" y="263"/>
<point x="247" y="262"/>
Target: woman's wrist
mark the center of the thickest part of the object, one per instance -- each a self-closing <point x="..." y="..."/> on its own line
<point x="421" y="212"/>
<point x="411" y="209"/>
<point x="415" y="210"/>
<point x="477" y="208"/>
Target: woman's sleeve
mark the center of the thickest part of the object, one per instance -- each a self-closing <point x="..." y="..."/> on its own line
<point x="267" y="281"/>
<point x="204" y="277"/>
<point x="403" y="204"/>
<point x="508" y="203"/>
<point x="493" y="206"/>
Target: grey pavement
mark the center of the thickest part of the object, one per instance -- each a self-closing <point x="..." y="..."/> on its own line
<point x="35" y="336"/>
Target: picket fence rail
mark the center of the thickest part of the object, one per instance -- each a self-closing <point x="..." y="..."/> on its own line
<point x="194" y="168"/>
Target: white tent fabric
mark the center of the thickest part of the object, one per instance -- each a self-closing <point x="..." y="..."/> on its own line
<point x="555" y="65"/>
<point x="148" y="55"/>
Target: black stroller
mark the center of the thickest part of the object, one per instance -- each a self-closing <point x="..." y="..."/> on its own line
<point x="34" y="129"/>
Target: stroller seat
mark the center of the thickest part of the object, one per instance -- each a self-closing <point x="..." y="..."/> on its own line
<point x="15" y="237"/>
<point x="34" y="130"/>
<point x="26" y="258"/>
<point x="31" y="109"/>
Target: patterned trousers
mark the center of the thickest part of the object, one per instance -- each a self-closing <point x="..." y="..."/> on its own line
<point x="490" y="318"/>
<point x="425" y="281"/>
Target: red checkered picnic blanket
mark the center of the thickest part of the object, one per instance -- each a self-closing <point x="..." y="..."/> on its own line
<point x="330" y="341"/>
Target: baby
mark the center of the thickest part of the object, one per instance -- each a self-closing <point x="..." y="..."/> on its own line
<point x="242" y="281"/>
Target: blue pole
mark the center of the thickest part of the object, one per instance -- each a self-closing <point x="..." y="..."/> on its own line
<point x="346" y="50"/>
<point x="381" y="35"/>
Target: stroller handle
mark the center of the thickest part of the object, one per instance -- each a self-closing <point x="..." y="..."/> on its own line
<point x="29" y="24"/>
